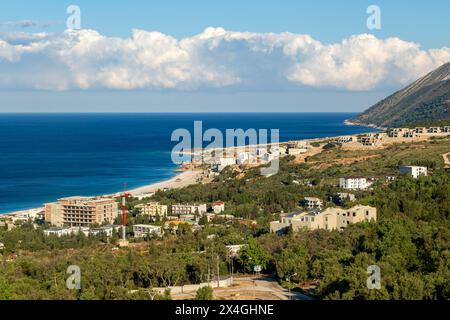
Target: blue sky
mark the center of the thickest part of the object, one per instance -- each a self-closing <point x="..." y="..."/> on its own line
<point x="301" y="86"/>
<point x="425" y="22"/>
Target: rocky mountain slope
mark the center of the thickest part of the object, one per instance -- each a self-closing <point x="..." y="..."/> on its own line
<point x="427" y="99"/>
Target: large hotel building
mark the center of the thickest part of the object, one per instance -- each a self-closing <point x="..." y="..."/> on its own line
<point x="81" y="211"/>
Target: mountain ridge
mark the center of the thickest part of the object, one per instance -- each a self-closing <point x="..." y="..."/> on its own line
<point x="426" y="99"/>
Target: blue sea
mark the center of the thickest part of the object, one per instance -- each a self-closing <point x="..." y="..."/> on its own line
<point x="47" y="156"/>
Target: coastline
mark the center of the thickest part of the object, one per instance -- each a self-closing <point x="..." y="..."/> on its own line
<point x="184" y="178"/>
<point x="348" y="122"/>
<point x="180" y="180"/>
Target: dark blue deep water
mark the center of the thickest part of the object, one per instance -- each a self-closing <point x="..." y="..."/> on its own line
<point x="47" y="156"/>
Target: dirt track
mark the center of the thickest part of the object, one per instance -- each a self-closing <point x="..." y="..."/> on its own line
<point x="250" y="288"/>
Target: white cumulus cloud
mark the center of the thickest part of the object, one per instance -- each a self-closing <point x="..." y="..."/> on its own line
<point x="215" y="58"/>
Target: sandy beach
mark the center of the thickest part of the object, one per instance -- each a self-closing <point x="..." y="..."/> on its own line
<point x="181" y="180"/>
<point x="27" y="212"/>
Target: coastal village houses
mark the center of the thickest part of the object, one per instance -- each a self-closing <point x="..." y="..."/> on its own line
<point x="328" y="219"/>
<point x="81" y="211"/>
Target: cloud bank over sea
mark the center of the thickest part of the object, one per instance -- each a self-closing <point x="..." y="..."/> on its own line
<point x="215" y="58"/>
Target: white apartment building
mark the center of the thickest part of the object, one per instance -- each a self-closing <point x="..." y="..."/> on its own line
<point x="61" y="231"/>
<point x="415" y="171"/>
<point x="354" y="183"/>
<point x="267" y="156"/>
<point x="143" y="230"/>
<point x="312" y="202"/>
<point x="179" y="209"/>
<point x="106" y="230"/>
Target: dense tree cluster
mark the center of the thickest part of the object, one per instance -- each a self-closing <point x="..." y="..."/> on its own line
<point x="409" y="242"/>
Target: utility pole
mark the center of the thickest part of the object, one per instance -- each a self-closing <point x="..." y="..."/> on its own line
<point x="209" y="271"/>
<point x="289" y="283"/>
<point x="231" y="268"/>
<point x="124" y="196"/>
<point x="289" y="287"/>
<point x="218" y="275"/>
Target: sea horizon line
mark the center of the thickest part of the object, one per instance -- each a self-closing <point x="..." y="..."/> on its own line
<point x="175" y="112"/>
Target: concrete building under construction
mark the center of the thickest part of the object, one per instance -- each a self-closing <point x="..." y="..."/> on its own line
<point x="81" y="211"/>
<point x="328" y="219"/>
